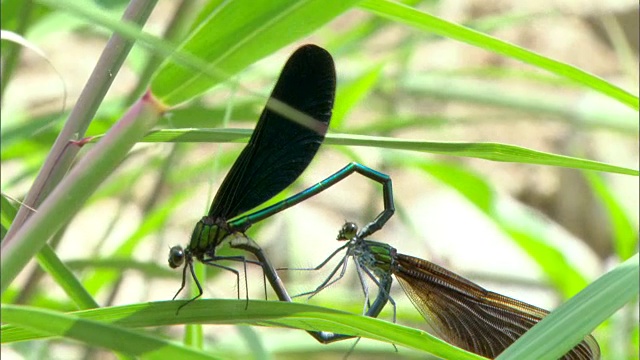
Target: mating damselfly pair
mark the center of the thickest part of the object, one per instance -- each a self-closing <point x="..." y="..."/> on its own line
<point x="281" y="147"/>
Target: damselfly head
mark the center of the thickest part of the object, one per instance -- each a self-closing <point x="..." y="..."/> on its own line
<point x="348" y="231"/>
<point x="176" y="256"/>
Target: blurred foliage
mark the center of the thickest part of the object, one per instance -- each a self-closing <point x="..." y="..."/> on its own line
<point x="401" y="75"/>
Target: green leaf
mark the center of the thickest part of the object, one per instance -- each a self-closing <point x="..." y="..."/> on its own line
<point x="263" y="313"/>
<point x="567" y="325"/>
<point x="350" y="95"/>
<point x="51" y="263"/>
<point x="234" y="35"/>
<point x="625" y="235"/>
<point x="530" y="233"/>
<point x="7" y="212"/>
<point x="426" y="22"/>
<point x="488" y="151"/>
<point x="97" y="333"/>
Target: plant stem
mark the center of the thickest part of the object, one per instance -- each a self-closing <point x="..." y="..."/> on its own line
<point x="62" y="155"/>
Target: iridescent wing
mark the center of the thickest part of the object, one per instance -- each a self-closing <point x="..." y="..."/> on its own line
<point x="280" y="149"/>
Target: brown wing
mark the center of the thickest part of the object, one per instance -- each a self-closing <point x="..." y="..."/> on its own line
<point x="470" y="317"/>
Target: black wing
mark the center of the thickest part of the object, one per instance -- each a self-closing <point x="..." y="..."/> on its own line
<point x="280" y="149"/>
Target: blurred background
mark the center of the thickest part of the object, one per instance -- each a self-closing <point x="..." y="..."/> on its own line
<point x="536" y="233"/>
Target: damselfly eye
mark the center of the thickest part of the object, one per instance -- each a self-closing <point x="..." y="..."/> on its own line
<point x="348" y="231"/>
<point x="176" y="256"/>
